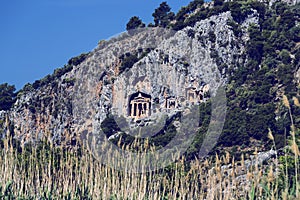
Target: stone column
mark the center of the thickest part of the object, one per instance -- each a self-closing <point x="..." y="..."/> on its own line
<point x="132" y="109"/>
<point x="138" y="109"/>
<point x="143" y="110"/>
<point x="147" y="108"/>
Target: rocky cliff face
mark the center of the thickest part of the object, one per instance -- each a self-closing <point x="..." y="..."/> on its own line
<point x="178" y="71"/>
<point x="139" y="77"/>
<point x="291" y="2"/>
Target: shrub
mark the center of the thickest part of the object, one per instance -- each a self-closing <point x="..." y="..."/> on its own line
<point x="212" y="36"/>
<point x="285" y="57"/>
<point x="134" y="23"/>
<point x="163" y="15"/>
<point x="7" y="96"/>
<point x="76" y="60"/>
<point x="255" y="45"/>
<point x="238" y="14"/>
<point x="128" y="62"/>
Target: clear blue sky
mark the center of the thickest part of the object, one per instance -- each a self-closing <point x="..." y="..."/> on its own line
<point x="38" y="36"/>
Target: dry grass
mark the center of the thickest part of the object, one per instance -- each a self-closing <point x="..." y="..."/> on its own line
<point x="47" y="172"/>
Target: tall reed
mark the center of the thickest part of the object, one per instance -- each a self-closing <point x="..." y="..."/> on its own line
<point x="45" y="171"/>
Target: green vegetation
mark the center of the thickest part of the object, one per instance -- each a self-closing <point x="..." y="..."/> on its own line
<point x="134" y="23"/>
<point x="130" y="58"/>
<point x="163" y="15"/>
<point x="47" y="172"/>
<point x="51" y="79"/>
<point x="183" y="17"/>
<point x="252" y="87"/>
<point x="267" y="69"/>
<point x="270" y="59"/>
<point x="77" y="60"/>
<point x="158" y="140"/>
<point x="69" y="81"/>
<point x="257" y="82"/>
<point x="7" y="96"/>
<point x="128" y="61"/>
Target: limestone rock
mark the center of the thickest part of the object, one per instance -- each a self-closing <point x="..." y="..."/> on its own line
<point x="179" y="69"/>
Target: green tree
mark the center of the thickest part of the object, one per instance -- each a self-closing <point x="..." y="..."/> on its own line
<point x="218" y="2"/>
<point x="194" y="5"/>
<point x="256" y="43"/>
<point x="285" y="57"/>
<point x="238" y="14"/>
<point x="7" y="96"/>
<point x="134" y="23"/>
<point x="78" y="59"/>
<point x="163" y="15"/>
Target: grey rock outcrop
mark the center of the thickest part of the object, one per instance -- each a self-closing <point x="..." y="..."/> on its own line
<point x="178" y="62"/>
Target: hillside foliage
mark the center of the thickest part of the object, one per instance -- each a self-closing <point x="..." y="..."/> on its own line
<point x="262" y="109"/>
<point x="7" y="96"/>
<point x="269" y="63"/>
<point x="267" y="70"/>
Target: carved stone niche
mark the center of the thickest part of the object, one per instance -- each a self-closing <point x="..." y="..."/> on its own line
<point x="139" y="105"/>
<point x="194" y="96"/>
<point x="191" y="95"/>
<point x="171" y="103"/>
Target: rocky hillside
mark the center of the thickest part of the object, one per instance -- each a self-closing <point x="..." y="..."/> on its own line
<point x="153" y="75"/>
